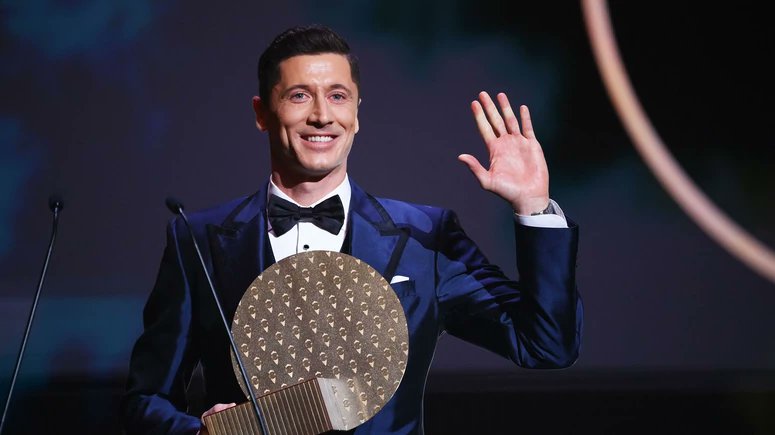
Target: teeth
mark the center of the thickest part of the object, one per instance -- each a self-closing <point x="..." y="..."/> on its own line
<point x="320" y="138"/>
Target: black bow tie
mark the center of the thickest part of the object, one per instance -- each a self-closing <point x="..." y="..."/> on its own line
<point x="328" y="215"/>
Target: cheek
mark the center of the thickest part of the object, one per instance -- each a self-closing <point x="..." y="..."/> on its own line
<point x="279" y="139"/>
<point x="290" y="117"/>
<point x="349" y="119"/>
<point x="285" y="131"/>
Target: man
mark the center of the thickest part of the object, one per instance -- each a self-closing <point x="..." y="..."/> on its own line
<point x="308" y="106"/>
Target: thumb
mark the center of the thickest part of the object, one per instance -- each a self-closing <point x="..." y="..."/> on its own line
<point x="473" y="164"/>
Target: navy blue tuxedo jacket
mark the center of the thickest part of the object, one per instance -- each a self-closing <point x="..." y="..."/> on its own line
<point x="535" y="322"/>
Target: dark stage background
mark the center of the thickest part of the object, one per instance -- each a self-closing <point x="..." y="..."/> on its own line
<point x="117" y="104"/>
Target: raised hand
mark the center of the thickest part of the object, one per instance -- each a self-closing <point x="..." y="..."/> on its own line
<point x="517" y="171"/>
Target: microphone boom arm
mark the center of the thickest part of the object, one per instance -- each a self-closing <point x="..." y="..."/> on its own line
<point x="177" y="208"/>
<point x="56" y="205"/>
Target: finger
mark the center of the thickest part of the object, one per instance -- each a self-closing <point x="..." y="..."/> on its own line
<point x="481" y="122"/>
<point x="508" y="114"/>
<point x="218" y="408"/>
<point x="527" y="124"/>
<point x="473" y="164"/>
<point x="492" y="114"/>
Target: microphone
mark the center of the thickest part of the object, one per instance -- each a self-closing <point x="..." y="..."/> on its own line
<point x="56" y="204"/>
<point x="176" y="207"/>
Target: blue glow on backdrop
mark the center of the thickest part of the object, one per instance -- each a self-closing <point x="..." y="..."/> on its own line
<point x="57" y="29"/>
<point x="21" y="157"/>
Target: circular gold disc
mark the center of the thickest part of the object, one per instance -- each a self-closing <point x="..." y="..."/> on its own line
<point x="323" y="314"/>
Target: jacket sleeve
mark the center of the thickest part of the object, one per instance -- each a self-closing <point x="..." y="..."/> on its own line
<point x="165" y="354"/>
<point x="536" y="322"/>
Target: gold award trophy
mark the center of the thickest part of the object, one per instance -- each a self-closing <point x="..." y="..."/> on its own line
<point x="324" y="341"/>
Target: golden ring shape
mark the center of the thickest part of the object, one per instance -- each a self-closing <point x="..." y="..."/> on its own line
<point x="712" y="220"/>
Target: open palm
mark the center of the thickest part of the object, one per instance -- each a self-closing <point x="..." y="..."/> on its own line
<point x="517" y="170"/>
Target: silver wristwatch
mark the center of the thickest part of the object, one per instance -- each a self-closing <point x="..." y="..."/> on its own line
<point x="548" y="210"/>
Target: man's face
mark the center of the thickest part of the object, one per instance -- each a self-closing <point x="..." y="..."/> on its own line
<point x="312" y="117"/>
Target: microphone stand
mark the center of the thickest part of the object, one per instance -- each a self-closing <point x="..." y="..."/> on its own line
<point x="55" y="204"/>
<point x="177" y="208"/>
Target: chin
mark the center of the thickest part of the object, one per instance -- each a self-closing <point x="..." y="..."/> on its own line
<point x="320" y="167"/>
<point x="320" y="171"/>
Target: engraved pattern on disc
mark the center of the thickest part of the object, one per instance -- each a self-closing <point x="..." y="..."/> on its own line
<point x="323" y="314"/>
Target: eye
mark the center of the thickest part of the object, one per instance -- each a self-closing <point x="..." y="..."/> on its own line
<point x="297" y="96"/>
<point x="339" y="97"/>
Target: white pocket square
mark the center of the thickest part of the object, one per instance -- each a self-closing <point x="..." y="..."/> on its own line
<point x="399" y="278"/>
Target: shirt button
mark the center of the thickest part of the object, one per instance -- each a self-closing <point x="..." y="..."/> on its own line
<point x="306" y="247"/>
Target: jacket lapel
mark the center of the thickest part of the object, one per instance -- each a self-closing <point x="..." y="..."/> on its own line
<point x="376" y="239"/>
<point x="237" y="249"/>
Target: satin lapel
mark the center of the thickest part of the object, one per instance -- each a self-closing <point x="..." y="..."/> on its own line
<point x="237" y="250"/>
<point x="375" y="237"/>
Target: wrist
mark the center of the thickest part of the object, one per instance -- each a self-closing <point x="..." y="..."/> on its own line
<point x="534" y="207"/>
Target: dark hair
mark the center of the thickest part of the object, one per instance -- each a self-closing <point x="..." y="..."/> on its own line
<point x="315" y="39"/>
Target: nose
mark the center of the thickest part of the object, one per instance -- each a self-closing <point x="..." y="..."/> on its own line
<point x="320" y="114"/>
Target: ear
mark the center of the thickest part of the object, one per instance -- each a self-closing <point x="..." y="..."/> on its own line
<point x="357" y="124"/>
<point x="261" y="113"/>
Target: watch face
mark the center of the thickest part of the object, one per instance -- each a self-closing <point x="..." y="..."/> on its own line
<point x="548" y="210"/>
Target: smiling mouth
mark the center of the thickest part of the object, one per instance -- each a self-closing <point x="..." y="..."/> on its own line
<point x="318" y="138"/>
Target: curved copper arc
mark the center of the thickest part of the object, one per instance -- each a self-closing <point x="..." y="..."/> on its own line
<point x="689" y="197"/>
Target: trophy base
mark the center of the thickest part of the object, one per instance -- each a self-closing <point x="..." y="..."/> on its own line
<point x="311" y="407"/>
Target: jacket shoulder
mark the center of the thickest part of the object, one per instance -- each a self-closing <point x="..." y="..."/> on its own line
<point x="420" y="216"/>
<point x="219" y="213"/>
<point x="224" y="214"/>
